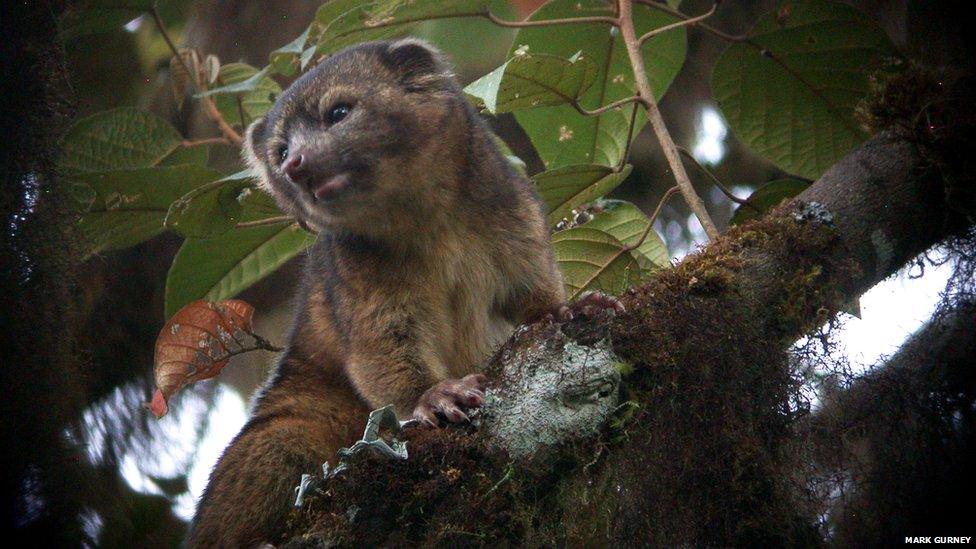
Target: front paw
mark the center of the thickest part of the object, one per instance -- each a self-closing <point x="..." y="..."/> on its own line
<point x="590" y="304"/>
<point x="447" y="400"/>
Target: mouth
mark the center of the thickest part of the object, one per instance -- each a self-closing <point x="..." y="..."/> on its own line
<point x="330" y="187"/>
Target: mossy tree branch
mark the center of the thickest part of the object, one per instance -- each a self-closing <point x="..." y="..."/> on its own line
<point x="708" y="415"/>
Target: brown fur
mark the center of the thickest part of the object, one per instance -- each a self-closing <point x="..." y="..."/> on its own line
<point x="424" y="264"/>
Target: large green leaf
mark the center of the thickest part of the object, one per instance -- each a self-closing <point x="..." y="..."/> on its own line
<point x="211" y="209"/>
<point x="789" y="93"/>
<point x="766" y="197"/>
<point x="349" y="22"/>
<point x="569" y="187"/>
<point x="627" y="223"/>
<point x="526" y="81"/>
<point x="286" y="60"/>
<point x="197" y="155"/>
<point x="591" y="259"/>
<point x="255" y="90"/>
<point x="221" y="267"/>
<point x="125" y="207"/>
<point x="117" y="139"/>
<point x="560" y="134"/>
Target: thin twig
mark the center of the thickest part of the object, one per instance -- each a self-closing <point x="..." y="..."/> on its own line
<point x="240" y="103"/>
<point x="549" y="22"/>
<point x="657" y="121"/>
<point x="225" y="128"/>
<point x="240" y="110"/>
<point x="605" y="108"/>
<point x="650" y="220"/>
<point x="715" y="180"/>
<point x="266" y="221"/>
<point x="208" y="103"/>
<point x="690" y="21"/>
<point x="630" y="138"/>
<point x="205" y="141"/>
<point x="703" y="26"/>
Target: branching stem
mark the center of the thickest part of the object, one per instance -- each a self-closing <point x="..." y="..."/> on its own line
<point x="630" y="138"/>
<point x="266" y="221"/>
<point x="206" y="141"/>
<point x="715" y="180"/>
<point x="684" y="17"/>
<point x="657" y="121"/>
<point x="549" y="22"/>
<point x="683" y="23"/>
<point x="207" y="102"/>
<point x="650" y="221"/>
<point x="605" y="108"/>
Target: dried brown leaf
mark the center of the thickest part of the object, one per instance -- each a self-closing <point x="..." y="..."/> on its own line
<point x="197" y="343"/>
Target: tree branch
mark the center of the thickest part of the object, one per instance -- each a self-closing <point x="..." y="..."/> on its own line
<point x="709" y="377"/>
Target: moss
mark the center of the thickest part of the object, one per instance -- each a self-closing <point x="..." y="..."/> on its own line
<point x="718" y="396"/>
<point x="937" y="110"/>
<point x="708" y="455"/>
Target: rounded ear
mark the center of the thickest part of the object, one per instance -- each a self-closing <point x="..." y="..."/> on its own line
<point x="254" y="144"/>
<point x="420" y="66"/>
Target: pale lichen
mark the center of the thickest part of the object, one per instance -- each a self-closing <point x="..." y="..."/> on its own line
<point x="554" y="392"/>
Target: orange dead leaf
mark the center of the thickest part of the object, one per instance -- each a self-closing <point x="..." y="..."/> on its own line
<point x="197" y="343"/>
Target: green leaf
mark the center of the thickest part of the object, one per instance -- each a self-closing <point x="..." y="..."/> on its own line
<point x="564" y="189"/>
<point x="591" y="259"/>
<point x="627" y="223"/>
<point x="766" y="197"/>
<point x="560" y="134"/>
<point x="221" y="267"/>
<point x="197" y="155"/>
<point x="526" y="81"/>
<point x="256" y="90"/>
<point x="129" y="206"/>
<point x="117" y="139"/>
<point x="214" y="208"/>
<point x="207" y="211"/>
<point x="790" y="93"/>
<point x="350" y="22"/>
<point x="286" y="60"/>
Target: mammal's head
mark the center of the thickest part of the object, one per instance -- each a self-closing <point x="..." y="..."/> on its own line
<point x="353" y="141"/>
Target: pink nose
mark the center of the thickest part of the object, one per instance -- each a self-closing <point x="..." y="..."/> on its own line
<point x="294" y="168"/>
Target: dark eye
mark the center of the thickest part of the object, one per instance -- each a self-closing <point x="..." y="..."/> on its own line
<point x="337" y="113"/>
<point x="282" y="153"/>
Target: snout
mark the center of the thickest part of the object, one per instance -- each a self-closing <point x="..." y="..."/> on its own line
<point x="296" y="168"/>
<point x="322" y="178"/>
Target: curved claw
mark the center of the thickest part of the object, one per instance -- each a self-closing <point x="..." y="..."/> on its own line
<point x="447" y="400"/>
<point x="589" y="304"/>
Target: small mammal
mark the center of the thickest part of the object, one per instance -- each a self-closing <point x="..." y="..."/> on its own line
<point x="432" y="248"/>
